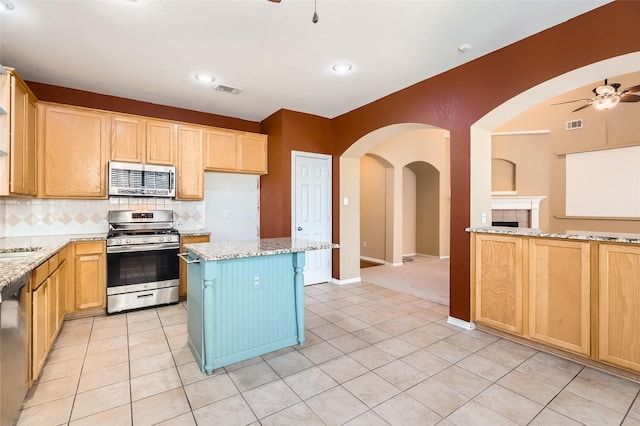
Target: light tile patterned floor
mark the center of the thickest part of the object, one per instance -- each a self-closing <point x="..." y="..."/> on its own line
<point x="373" y="356"/>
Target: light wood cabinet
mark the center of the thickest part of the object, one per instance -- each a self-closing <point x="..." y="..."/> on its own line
<point x="39" y="340"/>
<point x="233" y="151"/>
<point x="560" y="294"/>
<point x="127" y="139"/>
<point x="160" y="142"/>
<point x="17" y="136"/>
<point x="192" y="239"/>
<point x="189" y="167"/>
<point x="90" y="275"/>
<point x="73" y="152"/>
<point x="498" y="281"/>
<point x="135" y="139"/>
<point x="619" y="305"/>
<point x="48" y="308"/>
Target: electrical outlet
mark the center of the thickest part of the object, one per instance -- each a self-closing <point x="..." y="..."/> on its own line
<point x="256" y="280"/>
<point x="227" y="214"/>
<point x="364" y="244"/>
<point x="484" y="217"/>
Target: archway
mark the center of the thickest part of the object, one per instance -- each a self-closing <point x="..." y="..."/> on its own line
<point x="350" y="240"/>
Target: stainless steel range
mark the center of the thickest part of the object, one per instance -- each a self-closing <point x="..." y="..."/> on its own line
<point x="142" y="259"/>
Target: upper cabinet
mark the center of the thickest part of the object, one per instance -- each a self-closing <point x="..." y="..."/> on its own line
<point x="189" y="167"/>
<point x="138" y="140"/>
<point x="17" y="136"/>
<point x="73" y="149"/>
<point x="234" y="151"/>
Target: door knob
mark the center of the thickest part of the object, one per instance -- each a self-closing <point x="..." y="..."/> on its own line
<point x="299" y="228"/>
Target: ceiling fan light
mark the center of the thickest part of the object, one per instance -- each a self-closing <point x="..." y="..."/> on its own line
<point x="606" y="102"/>
<point x="6" y="5"/>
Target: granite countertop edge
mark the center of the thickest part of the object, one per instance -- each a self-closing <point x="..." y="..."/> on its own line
<point x="225" y="250"/>
<point x="612" y="237"/>
<point x="193" y="232"/>
<point x="40" y="248"/>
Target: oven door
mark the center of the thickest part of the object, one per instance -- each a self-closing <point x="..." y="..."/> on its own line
<point x="142" y="267"/>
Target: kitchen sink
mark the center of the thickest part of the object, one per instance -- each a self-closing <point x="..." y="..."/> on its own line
<point x="8" y="255"/>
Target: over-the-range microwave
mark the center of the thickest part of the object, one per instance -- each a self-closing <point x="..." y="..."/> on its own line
<point x="133" y="179"/>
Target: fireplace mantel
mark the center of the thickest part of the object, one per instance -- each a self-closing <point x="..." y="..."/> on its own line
<point x="524" y="202"/>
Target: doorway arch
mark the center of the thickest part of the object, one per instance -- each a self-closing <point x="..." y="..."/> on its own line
<point x="350" y="192"/>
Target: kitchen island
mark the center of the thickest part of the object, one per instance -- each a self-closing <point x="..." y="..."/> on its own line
<point x="576" y="291"/>
<point x="245" y="298"/>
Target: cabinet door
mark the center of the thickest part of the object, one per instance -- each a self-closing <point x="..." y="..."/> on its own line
<point x="560" y="294"/>
<point x="39" y="342"/>
<point x="74" y="153"/>
<point x="183" y="266"/>
<point x="498" y="281"/>
<point x="619" y="305"/>
<point x="160" y="142"/>
<point x="23" y="140"/>
<point x="127" y="139"/>
<point x="90" y="280"/>
<point x="221" y="152"/>
<point x="62" y="293"/>
<point x="52" y="308"/>
<point x="253" y="153"/>
<point x="189" y="167"/>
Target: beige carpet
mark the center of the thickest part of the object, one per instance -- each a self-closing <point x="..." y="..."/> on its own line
<point x="425" y="277"/>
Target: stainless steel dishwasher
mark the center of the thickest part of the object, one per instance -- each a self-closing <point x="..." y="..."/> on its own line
<point x="14" y="310"/>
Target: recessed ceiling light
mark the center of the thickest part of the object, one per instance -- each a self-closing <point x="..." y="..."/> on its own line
<point x="205" y="78"/>
<point x="6" y="5"/>
<point x="342" y="68"/>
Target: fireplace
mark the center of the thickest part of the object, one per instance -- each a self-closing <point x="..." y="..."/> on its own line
<point x="519" y="211"/>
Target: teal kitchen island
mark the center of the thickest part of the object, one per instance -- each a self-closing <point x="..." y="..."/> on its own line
<point x="245" y="298"/>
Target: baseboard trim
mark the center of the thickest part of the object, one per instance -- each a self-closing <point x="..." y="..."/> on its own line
<point x="372" y="259"/>
<point x="394" y="264"/>
<point x="349" y="281"/>
<point x="462" y="324"/>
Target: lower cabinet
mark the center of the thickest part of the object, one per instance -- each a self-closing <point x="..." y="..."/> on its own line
<point x="90" y="275"/>
<point x="498" y="277"/>
<point x="619" y="305"/>
<point x="183" y="267"/>
<point x="560" y="294"/>
<point x="48" y="308"/>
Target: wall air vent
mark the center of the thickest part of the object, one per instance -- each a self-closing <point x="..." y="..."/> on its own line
<point x="228" y="89"/>
<point x="575" y="124"/>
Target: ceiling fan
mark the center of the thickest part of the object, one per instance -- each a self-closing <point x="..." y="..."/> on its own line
<point x="607" y="96"/>
<point x="314" y="19"/>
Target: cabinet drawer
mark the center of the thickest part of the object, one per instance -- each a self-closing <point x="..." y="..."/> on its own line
<point x="89" y="247"/>
<point x="54" y="261"/>
<point x="40" y="275"/>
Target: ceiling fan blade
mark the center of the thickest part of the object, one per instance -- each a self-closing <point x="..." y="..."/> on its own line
<point x="568" y="102"/>
<point x="633" y="89"/>
<point x="628" y="97"/>
<point x="275" y="1"/>
<point x="582" y="107"/>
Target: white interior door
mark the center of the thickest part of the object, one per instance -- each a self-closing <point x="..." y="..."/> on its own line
<point x="311" y="210"/>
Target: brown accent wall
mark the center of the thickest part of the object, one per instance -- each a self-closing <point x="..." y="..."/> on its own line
<point x="457" y="98"/>
<point x="288" y="131"/>
<point x="64" y="95"/>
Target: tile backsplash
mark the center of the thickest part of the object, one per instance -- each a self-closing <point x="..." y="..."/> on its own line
<point x="29" y="217"/>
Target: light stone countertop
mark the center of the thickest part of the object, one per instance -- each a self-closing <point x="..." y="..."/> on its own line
<point x="193" y="232"/>
<point x="612" y="237"/>
<point x="40" y="248"/>
<point x="223" y="250"/>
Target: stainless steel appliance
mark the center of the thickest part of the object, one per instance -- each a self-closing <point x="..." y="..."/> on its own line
<point x="14" y="309"/>
<point x="142" y="259"/>
<point x="134" y="179"/>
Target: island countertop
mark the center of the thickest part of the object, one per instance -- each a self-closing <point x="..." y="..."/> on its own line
<point x="612" y="237"/>
<point x="221" y="250"/>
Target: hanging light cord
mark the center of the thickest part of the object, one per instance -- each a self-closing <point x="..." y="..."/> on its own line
<point x="315" y="13"/>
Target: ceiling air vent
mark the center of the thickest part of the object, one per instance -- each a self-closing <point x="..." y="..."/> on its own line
<point x="574" y="124"/>
<point x="228" y="89"/>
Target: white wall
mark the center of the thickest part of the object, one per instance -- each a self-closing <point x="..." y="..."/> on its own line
<point x="232" y="206"/>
